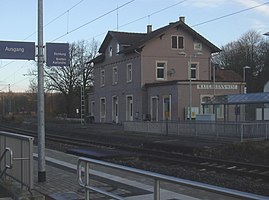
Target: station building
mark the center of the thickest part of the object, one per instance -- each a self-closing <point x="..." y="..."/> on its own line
<point x="165" y="74"/>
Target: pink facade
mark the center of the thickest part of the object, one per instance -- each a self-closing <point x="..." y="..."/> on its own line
<point x="171" y="72"/>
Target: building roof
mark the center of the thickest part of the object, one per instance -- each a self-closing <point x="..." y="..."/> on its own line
<point x="135" y="41"/>
<point x="233" y="99"/>
<point x="224" y="75"/>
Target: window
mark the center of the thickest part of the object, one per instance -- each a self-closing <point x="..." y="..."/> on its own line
<point x="194" y="71"/>
<point x="115" y="75"/>
<point x="198" y="46"/>
<point x="102" y="78"/>
<point x="129" y="108"/>
<point x="206" y="109"/>
<point x="167" y="107"/>
<point x="102" y="107"/>
<point x="110" y="51"/>
<point x="129" y="73"/>
<point x="161" y="70"/>
<point x="177" y="42"/>
<point x="118" y="48"/>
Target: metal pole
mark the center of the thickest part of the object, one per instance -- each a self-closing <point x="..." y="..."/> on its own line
<point x="40" y="102"/>
<point x="190" y="88"/>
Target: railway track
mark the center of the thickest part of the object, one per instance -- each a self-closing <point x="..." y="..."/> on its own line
<point x="254" y="171"/>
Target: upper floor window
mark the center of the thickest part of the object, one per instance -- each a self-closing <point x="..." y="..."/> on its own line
<point x="115" y="75"/>
<point x="197" y="46"/>
<point x="160" y="70"/>
<point x="129" y="73"/>
<point x="194" y="71"/>
<point x="177" y="42"/>
<point x="102" y="78"/>
<point x="118" y="48"/>
<point x="110" y="51"/>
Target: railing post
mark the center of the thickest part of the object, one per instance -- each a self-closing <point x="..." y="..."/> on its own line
<point x="87" y="182"/>
<point x="157" y="189"/>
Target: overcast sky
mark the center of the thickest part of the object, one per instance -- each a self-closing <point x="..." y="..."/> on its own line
<point x="220" y="21"/>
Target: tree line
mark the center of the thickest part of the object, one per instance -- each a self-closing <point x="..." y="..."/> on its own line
<point x="252" y="50"/>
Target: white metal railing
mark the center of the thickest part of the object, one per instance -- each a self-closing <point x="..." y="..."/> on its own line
<point x="8" y="165"/>
<point x="239" y="131"/>
<point x="83" y="176"/>
<point x="19" y="164"/>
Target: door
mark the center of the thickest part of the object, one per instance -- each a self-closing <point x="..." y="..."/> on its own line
<point x="154" y="109"/>
<point x="129" y="108"/>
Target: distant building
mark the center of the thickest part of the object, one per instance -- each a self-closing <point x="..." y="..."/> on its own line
<point x="149" y="76"/>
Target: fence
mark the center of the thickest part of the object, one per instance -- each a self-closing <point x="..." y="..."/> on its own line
<point x="16" y="153"/>
<point x="240" y="131"/>
<point x="84" y="175"/>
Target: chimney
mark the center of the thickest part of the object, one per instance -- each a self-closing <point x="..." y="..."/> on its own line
<point x="149" y="28"/>
<point x="182" y="19"/>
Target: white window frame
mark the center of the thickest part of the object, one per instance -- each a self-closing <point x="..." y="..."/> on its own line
<point x="110" y="51"/>
<point x="177" y="46"/>
<point x="92" y="105"/>
<point x="102" y="78"/>
<point x="157" y="108"/>
<point x="132" y="108"/>
<point x="198" y="46"/>
<point x="196" y="70"/>
<point x="118" y="48"/>
<point x="208" y="109"/>
<point x="102" y="112"/>
<point x="129" y="73"/>
<point x="164" y="69"/>
<point x="170" y="105"/>
<point x="115" y="75"/>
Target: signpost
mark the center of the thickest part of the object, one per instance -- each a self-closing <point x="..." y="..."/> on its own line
<point x="17" y="50"/>
<point x="57" y="54"/>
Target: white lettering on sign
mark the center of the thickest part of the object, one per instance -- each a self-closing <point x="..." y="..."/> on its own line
<point x="217" y="87"/>
<point x="9" y="49"/>
<point x="59" y="54"/>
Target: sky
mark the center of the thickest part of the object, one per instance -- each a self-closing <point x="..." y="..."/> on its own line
<point x="220" y="21"/>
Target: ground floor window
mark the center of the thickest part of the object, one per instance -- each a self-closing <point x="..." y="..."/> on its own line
<point x="102" y="109"/>
<point x="154" y="108"/>
<point x="167" y="107"/>
<point x="206" y="109"/>
<point x="92" y="108"/>
<point x="129" y="108"/>
<point x="115" y="109"/>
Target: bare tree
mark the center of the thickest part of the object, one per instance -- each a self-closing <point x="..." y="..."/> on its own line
<point x="67" y="80"/>
<point x="249" y="50"/>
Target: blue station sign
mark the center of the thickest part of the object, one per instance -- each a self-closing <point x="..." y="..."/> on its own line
<point x="57" y="54"/>
<point x="17" y="50"/>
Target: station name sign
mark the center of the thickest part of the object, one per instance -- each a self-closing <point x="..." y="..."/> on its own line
<point x="57" y="54"/>
<point x="17" y="50"/>
<point x="217" y="86"/>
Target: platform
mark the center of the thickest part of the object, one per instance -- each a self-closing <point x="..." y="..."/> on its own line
<point x="61" y="183"/>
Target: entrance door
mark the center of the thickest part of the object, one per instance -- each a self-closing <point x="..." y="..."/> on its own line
<point x="115" y="110"/>
<point x="154" y="109"/>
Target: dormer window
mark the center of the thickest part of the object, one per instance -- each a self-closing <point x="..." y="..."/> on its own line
<point x="110" y="51"/>
<point x="177" y="42"/>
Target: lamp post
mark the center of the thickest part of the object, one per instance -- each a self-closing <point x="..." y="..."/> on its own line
<point x="244" y="72"/>
<point x="244" y="76"/>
